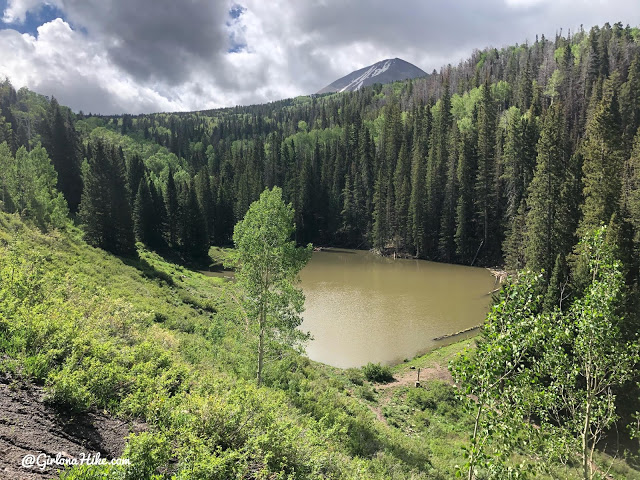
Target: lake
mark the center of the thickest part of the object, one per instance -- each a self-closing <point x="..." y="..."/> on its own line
<point x="361" y="307"/>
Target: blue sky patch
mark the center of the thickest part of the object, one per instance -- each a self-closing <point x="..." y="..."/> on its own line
<point x="236" y="38"/>
<point x="236" y="10"/>
<point x="33" y="19"/>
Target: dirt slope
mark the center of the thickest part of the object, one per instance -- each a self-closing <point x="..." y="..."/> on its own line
<point x="29" y="426"/>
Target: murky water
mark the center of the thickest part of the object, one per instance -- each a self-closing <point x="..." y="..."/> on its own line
<point x="362" y="308"/>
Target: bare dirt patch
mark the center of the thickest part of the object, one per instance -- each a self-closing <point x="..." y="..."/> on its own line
<point x="29" y="426"/>
<point x="436" y="372"/>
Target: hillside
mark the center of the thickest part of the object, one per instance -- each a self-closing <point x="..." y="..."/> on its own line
<point x="526" y="158"/>
<point x="144" y="345"/>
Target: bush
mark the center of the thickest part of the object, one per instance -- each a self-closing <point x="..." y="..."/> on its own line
<point x="375" y="372"/>
<point x="355" y="376"/>
<point x="435" y="396"/>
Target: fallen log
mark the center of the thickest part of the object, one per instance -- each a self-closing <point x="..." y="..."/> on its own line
<point x="449" y="335"/>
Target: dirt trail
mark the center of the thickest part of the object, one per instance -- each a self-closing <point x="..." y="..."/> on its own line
<point x="29" y="426"/>
<point x="408" y="378"/>
<point x="436" y="372"/>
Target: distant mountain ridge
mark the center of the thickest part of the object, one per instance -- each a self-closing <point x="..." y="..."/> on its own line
<point x="385" y="71"/>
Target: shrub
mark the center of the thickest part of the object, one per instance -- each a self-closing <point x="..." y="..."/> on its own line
<point x="355" y="376"/>
<point x="436" y="395"/>
<point x="375" y="372"/>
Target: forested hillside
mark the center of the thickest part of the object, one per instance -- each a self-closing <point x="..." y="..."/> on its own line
<point x="501" y="159"/>
<point x="509" y="159"/>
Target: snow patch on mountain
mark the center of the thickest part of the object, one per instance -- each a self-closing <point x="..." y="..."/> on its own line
<point x="373" y="71"/>
<point x="385" y="71"/>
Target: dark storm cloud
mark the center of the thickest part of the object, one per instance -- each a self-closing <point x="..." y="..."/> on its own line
<point x="156" y="40"/>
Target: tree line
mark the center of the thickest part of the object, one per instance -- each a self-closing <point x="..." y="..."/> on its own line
<point x="506" y="158"/>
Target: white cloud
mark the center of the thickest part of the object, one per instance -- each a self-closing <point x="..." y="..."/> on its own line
<point x="61" y="62"/>
<point x="17" y="9"/>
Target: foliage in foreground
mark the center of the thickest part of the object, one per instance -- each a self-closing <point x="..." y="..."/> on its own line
<point x="544" y="384"/>
<point x="146" y="339"/>
<point x="267" y="264"/>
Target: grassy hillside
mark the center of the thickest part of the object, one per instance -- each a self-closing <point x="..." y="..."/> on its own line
<point x="151" y="340"/>
<point x="146" y="340"/>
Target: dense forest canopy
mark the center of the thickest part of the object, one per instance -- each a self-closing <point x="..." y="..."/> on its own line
<point x="505" y="158"/>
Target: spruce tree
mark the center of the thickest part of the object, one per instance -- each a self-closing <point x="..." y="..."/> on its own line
<point x="447" y="246"/>
<point x="558" y="290"/>
<point x="143" y="214"/>
<point x="135" y="173"/>
<point x="105" y="209"/>
<point x="547" y="223"/>
<point x="417" y="201"/>
<point x="436" y="169"/>
<point x="61" y="143"/>
<point x="206" y="201"/>
<point x="465" y="238"/>
<point x="195" y="242"/>
<point x="172" y="210"/>
<point x="121" y="211"/>
<point x="402" y="188"/>
<point x="603" y="161"/>
<point x="485" y="194"/>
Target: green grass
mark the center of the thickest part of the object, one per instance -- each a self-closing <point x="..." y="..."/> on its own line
<point x="148" y="339"/>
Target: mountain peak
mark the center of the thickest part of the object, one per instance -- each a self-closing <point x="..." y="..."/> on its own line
<point x="384" y="71"/>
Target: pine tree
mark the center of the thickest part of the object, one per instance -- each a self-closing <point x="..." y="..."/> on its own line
<point x="380" y="226"/>
<point x="436" y="169"/>
<point x="206" y="201"/>
<point x="135" y="173"/>
<point x="485" y="198"/>
<point x="603" y="161"/>
<point x="159" y="217"/>
<point x="123" y="236"/>
<point x="60" y="141"/>
<point x="143" y="214"/>
<point x="465" y="238"/>
<point x="447" y="246"/>
<point x="547" y="223"/>
<point x="514" y="243"/>
<point x="194" y="240"/>
<point x="172" y="210"/>
<point x="402" y="188"/>
<point x="630" y="103"/>
<point x="558" y="290"/>
<point x="417" y="201"/>
<point x="105" y="208"/>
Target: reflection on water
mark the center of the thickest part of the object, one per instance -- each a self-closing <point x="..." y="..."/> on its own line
<point x="362" y="308"/>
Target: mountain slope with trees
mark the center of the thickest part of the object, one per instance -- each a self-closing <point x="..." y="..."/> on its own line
<point x="509" y="158"/>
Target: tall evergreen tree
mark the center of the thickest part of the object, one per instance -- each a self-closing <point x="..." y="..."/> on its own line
<point x="172" y="210"/>
<point x="105" y="209"/>
<point x="447" y="247"/>
<point x="436" y="169"/>
<point x="547" y="223"/>
<point x="603" y="161"/>
<point x="402" y="188"/>
<point x="205" y="199"/>
<point x="485" y="194"/>
<point x="194" y="239"/>
<point x="61" y="143"/>
<point x="417" y="201"/>
<point x="143" y="214"/>
<point x="465" y="238"/>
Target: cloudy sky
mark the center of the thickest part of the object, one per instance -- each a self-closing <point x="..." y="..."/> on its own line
<point x="134" y="56"/>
